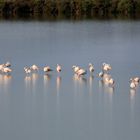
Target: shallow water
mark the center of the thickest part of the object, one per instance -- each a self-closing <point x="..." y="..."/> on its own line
<point x="60" y="106"/>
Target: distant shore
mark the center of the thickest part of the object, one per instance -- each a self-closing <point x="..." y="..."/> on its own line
<point x="69" y="8"/>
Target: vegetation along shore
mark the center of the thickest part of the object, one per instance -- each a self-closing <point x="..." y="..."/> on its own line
<point x="69" y="8"/>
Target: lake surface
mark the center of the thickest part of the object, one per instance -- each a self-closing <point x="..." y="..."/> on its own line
<point x="60" y="106"/>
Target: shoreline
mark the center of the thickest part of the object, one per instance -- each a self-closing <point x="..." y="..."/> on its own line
<point x="69" y="9"/>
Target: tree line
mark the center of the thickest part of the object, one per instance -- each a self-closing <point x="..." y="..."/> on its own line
<point x="68" y="8"/>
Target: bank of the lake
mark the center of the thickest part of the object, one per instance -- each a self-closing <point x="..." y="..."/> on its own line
<point x="69" y="8"/>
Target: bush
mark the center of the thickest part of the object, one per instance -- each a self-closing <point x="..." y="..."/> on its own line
<point x="126" y="7"/>
<point x="69" y="8"/>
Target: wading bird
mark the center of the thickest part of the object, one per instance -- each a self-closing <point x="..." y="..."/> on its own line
<point x="133" y="85"/>
<point x="75" y="68"/>
<point x="6" y="70"/>
<point x="106" y="67"/>
<point x="58" y="68"/>
<point x="81" y="72"/>
<point x="47" y="69"/>
<point x="34" y="68"/>
<point x="7" y="64"/>
<point x="27" y="70"/>
<point x="91" y="68"/>
<point x="111" y="82"/>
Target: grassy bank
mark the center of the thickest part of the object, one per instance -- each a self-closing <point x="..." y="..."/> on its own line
<point x="69" y="8"/>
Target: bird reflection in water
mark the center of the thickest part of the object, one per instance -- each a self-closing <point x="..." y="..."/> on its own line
<point x="75" y="77"/>
<point x="91" y="78"/>
<point x="132" y="97"/>
<point x="106" y="89"/>
<point x="132" y="106"/>
<point x="5" y="81"/>
<point x="27" y="81"/>
<point x="58" y="84"/>
<point x="31" y="81"/>
<point x="101" y="86"/>
<point x="47" y="78"/>
<point x="75" y="81"/>
<point x="82" y="81"/>
<point x="79" y="79"/>
<point x="79" y="83"/>
<point x="132" y="94"/>
<point x="109" y="90"/>
<point x="34" y="80"/>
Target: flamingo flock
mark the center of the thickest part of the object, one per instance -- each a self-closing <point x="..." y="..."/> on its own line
<point x="5" y="68"/>
<point x="105" y="75"/>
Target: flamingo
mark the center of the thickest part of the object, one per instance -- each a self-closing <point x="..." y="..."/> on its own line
<point x="106" y="67"/>
<point x="91" y="68"/>
<point x="133" y="85"/>
<point x="6" y="70"/>
<point x="75" y="68"/>
<point x="34" y="67"/>
<point x="7" y="64"/>
<point x="27" y="70"/>
<point x="111" y="81"/>
<point x="81" y="72"/>
<point x="58" y="68"/>
<point x="47" y="69"/>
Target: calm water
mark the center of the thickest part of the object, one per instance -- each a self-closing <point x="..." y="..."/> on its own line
<point x="62" y="107"/>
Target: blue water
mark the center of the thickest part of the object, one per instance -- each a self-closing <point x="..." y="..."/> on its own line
<point x="60" y="106"/>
